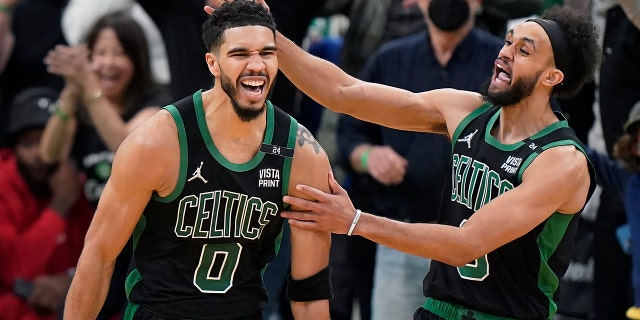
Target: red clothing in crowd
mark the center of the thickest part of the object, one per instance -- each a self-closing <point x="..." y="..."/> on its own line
<point x="34" y="239"/>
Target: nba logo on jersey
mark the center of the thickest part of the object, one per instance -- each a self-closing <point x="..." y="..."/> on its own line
<point x="269" y="178"/>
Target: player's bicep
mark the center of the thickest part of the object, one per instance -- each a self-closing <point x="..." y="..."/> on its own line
<point x="310" y="166"/>
<point x="556" y="181"/>
<point x="564" y="170"/>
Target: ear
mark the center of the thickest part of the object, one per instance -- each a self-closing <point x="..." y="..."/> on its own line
<point x="212" y="64"/>
<point x="553" y="77"/>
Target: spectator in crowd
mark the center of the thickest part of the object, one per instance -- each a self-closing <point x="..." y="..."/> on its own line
<point x="28" y="30"/>
<point x="618" y="91"/>
<point x="495" y="14"/>
<point x="80" y="15"/>
<point x="43" y="215"/>
<point x="179" y="23"/>
<point x="622" y="178"/>
<point x="108" y="92"/>
<point x="371" y="24"/>
<point x="458" y="56"/>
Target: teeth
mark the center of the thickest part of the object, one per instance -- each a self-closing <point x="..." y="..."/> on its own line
<point x="253" y="83"/>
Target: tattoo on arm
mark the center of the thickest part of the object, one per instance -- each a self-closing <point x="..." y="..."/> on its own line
<point x="304" y="136"/>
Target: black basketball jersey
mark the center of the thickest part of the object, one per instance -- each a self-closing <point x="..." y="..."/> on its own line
<point x="199" y="252"/>
<point x="519" y="279"/>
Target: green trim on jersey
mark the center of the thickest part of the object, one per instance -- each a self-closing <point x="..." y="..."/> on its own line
<point x="525" y="165"/>
<point x="134" y="276"/>
<point x="132" y="279"/>
<point x="450" y="311"/>
<point x="474" y="114"/>
<point x="552" y="127"/>
<point x="510" y="147"/>
<point x="213" y="150"/>
<point x="137" y="232"/>
<point x="130" y="311"/>
<point x="291" y="144"/>
<point x="276" y="249"/>
<point x="554" y="230"/>
<point x="566" y="143"/>
<point x="532" y="157"/>
<point x="555" y="227"/>
<point x="182" y="139"/>
<point x="491" y="140"/>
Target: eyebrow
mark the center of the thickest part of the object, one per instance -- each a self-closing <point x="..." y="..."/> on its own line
<point x="242" y="49"/>
<point x="525" y="39"/>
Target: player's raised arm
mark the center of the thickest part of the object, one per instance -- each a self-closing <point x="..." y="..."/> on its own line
<point x="431" y="111"/>
<point x="388" y="106"/>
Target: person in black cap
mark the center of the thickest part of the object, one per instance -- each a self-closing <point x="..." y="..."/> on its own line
<point x="622" y="178"/>
<point x="519" y="179"/>
<point x="43" y="217"/>
<point x="30" y="109"/>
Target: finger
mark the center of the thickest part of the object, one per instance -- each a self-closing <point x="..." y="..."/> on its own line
<point x="212" y="4"/>
<point x="299" y="215"/>
<point x="54" y="70"/>
<point x="304" y="204"/>
<point x="336" y="188"/>
<point x="309" y="225"/>
<point x="314" y="193"/>
<point x="263" y="3"/>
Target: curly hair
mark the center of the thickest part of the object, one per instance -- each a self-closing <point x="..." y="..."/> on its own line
<point x="234" y="14"/>
<point x="582" y="39"/>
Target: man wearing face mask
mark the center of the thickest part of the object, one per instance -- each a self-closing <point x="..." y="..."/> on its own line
<point x="450" y="53"/>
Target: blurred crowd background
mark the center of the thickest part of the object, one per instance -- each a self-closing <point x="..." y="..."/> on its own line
<point x="59" y="57"/>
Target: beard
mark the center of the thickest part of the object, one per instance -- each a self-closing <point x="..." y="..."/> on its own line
<point x="245" y="113"/>
<point x="520" y="89"/>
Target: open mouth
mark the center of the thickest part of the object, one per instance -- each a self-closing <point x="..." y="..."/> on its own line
<point x="109" y="81"/>
<point x="501" y="75"/>
<point x="254" y="87"/>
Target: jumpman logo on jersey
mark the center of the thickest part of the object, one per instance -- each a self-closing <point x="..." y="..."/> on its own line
<point x="468" y="138"/>
<point x="197" y="174"/>
<point x="469" y="316"/>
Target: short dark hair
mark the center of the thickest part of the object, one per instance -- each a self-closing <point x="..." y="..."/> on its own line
<point x="584" y="51"/>
<point x="234" y="14"/>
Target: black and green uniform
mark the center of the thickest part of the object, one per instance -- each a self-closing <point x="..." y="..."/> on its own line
<point x="199" y="252"/>
<point x="519" y="279"/>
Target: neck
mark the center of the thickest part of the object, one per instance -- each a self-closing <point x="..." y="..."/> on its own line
<point x="223" y="121"/>
<point x="445" y="43"/>
<point x="524" y="119"/>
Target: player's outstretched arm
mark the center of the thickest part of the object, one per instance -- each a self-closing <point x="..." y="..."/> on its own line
<point x="505" y="218"/>
<point x="139" y="168"/>
<point x="309" y="248"/>
<point x="388" y="106"/>
<point x="333" y="88"/>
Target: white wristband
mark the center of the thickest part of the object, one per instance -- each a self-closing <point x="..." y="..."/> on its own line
<point x="354" y="222"/>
